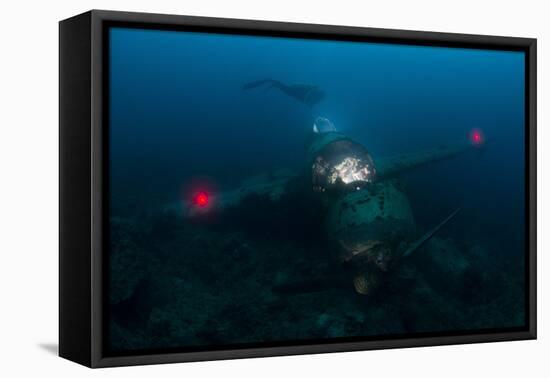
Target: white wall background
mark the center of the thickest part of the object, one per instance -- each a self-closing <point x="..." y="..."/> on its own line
<point x="29" y="186"/>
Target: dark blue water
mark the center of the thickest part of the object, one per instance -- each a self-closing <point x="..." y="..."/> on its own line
<point x="178" y="113"/>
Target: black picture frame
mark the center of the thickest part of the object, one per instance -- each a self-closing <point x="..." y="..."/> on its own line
<point x="83" y="110"/>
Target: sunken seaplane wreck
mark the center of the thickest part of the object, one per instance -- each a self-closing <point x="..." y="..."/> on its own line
<point x="368" y="224"/>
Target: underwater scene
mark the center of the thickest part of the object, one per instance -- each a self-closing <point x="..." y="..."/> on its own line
<point x="275" y="191"/>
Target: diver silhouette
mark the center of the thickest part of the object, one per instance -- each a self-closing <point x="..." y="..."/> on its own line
<point x="305" y="93"/>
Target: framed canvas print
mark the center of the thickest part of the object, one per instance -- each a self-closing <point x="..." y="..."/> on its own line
<point x="234" y="188"/>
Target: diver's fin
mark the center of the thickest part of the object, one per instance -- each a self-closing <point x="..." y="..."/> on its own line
<point x="418" y="243"/>
<point x="393" y="166"/>
<point x="258" y="83"/>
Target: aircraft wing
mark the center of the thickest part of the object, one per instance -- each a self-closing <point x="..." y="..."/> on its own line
<point x="395" y="165"/>
<point x="272" y="185"/>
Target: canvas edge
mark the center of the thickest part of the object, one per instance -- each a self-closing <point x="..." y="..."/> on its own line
<point x="74" y="191"/>
<point x="531" y="109"/>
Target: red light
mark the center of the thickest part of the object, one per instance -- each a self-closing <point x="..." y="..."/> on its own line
<point x="476" y="137"/>
<point x="201" y="199"/>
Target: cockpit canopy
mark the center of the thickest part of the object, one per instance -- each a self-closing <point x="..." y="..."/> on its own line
<point x="342" y="165"/>
<point x="323" y="125"/>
